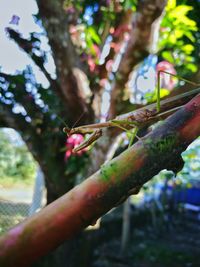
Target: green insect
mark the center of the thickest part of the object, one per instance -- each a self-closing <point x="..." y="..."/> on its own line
<point x="133" y="121"/>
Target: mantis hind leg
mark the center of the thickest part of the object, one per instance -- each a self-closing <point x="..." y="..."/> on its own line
<point x="133" y="133"/>
<point x="158" y="85"/>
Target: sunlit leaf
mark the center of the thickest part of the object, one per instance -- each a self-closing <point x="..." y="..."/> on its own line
<point x="180" y="11"/>
<point x="152" y="97"/>
<point x="168" y="56"/>
<point x="171" y="5"/>
<point x="191" y="67"/>
<point x="93" y="35"/>
<point x="188" y="48"/>
<point x="178" y="33"/>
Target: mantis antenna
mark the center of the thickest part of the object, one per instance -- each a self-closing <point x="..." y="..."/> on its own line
<point x="61" y="120"/>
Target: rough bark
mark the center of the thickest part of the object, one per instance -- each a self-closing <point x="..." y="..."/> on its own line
<point x="55" y="21"/>
<point x="112" y="184"/>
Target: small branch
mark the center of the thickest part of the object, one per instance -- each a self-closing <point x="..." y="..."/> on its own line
<point x="122" y="26"/>
<point x="28" y="46"/>
<point x="137" y="49"/>
<point x="112" y="184"/>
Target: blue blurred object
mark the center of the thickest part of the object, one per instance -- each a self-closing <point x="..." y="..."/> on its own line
<point x="187" y="195"/>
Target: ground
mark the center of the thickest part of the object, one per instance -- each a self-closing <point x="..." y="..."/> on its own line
<point x="175" y="246"/>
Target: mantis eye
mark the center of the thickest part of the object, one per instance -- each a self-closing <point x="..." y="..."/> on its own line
<point x="67" y="130"/>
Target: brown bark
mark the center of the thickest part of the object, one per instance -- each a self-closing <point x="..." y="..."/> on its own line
<point x="55" y="22"/>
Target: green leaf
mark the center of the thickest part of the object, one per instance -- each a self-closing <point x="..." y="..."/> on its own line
<point x="168" y="56"/>
<point x="192" y="67"/>
<point x="152" y="96"/>
<point x="178" y="33"/>
<point x="93" y="35"/>
<point x="171" y="5"/>
<point x="190" y="36"/>
<point x="188" y="48"/>
<point x="172" y="38"/>
<point x="180" y="11"/>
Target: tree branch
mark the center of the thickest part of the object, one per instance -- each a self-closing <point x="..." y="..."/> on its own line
<point x="28" y="47"/>
<point x="108" y="187"/>
<point x="122" y="26"/>
<point x="137" y="48"/>
<point x="55" y="22"/>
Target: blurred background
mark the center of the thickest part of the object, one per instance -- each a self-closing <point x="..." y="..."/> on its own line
<point x="62" y="62"/>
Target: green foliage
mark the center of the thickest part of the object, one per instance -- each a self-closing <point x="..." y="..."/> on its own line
<point x="184" y="178"/>
<point x="177" y="37"/>
<point x="16" y="163"/>
<point x="191" y="169"/>
<point x="152" y="96"/>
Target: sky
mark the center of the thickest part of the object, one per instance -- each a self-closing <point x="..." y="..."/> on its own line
<point x="11" y="57"/>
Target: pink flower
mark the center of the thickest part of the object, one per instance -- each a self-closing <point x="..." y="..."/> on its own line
<point x="71" y="142"/>
<point x="109" y="65"/>
<point x="91" y="63"/>
<point x="166" y="80"/>
<point x="97" y="50"/>
<point x="121" y="30"/>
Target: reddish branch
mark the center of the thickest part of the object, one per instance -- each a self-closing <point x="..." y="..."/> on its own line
<point x="137" y="48"/>
<point x="113" y="183"/>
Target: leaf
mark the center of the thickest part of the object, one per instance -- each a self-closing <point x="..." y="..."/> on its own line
<point x="180" y="11"/>
<point x="188" y="48"/>
<point x="130" y="4"/>
<point x="152" y="97"/>
<point x="93" y="35"/>
<point x="178" y="33"/>
<point x="190" y="36"/>
<point x="171" y="5"/>
<point x="168" y="56"/>
<point x="192" y="67"/>
<point x="172" y="38"/>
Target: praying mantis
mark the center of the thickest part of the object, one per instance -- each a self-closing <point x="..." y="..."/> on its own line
<point x="136" y="119"/>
